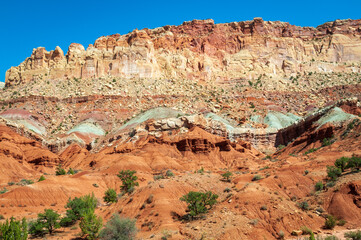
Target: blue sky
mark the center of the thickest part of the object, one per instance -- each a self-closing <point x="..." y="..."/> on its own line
<point x="25" y="25"/>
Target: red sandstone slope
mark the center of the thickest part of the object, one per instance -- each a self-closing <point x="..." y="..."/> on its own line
<point x="251" y="210"/>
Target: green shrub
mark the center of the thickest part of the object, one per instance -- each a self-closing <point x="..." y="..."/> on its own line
<point x="158" y="177"/>
<point x="4" y="190"/>
<point x="77" y="207"/>
<point x="330" y="222"/>
<point x="118" y="229"/>
<point x="353" y="235"/>
<point x="330" y="184"/>
<point x="227" y="176"/>
<point x="71" y="171"/>
<point x="303" y="205"/>
<point x="319" y="186"/>
<point x="199" y="202"/>
<point x="306" y="230"/>
<point x="110" y="196"/>
<point x="341" y="163"/>
<point x="24" y="182"/>
<point x="311" y="151"/>
<point x="42" y="178"/>
<point x="256" y="177"/>
<point x="14" y="230"/>
<point x="280" y="147"/>
<point x="341" y="222"/>
<point x="331" y="238"/>
<point x="47" y="222"/>
<point x="327" y="142"/>
<point x="90" y="225"/>
<point x="354" y="163"/>
<point x="128" y="179"/>
<point x="169" y="173"/>
<point x="333" y="172"/>
<point x="60" y="171"/>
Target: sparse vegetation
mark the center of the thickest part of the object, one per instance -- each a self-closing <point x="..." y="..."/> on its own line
<point x="42" y="178"/>
<point x="90" y="225"/>
<point x="256" y="177"/>
<point x="110" y="196"/>
<point x="199" y="202"/>
<point x="14" y="230"/>
<point x="119" y="228"/>
<point x="333" y="172"/>
<point x="330" y="222"/>
<point x="47" y="222"/>
<point x="129" y="180"/>
<point x="77" y="207"/>
<point x="319" y="186"/>
<point x="60" y="171"/>
<point x="303" y="205"/>
<point x="227" y="176"/>
<point x="354" y="235"/>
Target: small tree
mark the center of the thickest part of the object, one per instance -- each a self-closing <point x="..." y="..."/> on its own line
<point x="341" y="163"/>
<point x="333" y="172"/>
<point x="90" y="225"/>
<point x="14" y="230"/>
<point x="110" y="196"/>
<point x="77" y="207"/>
<point x="128" y="179"/>
<point x="50" y="219"/>
<point x="227" y="176"/>
<point x="199" y="202"/>
<point x="354" y="163"/>
<point x="118" y="229"/>
<point x="46" y="222"/>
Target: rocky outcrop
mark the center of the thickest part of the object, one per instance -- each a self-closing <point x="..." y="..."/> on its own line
<point x="202" y="50"/>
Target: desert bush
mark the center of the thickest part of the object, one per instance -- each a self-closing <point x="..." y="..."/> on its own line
<point x="341" y="222"/>
<point x="14" y="230"/>
<point x="169" y="173"/>
<point x="227" y="176"/>
<point x="333" y="172"/>
<point x="110" y="196"/>
<point x="303" y="205"/>
<point x="119" y="229"/>
<point x="90" y="225"/>
<point x="199" y="202"/>
<point x="353" y="235"/>
<point x="128" y="179"/>
<point x="158" y="177"/>
<point x="354" y="163"/>
<point x="319" y="186"/>
<point x="42" y="178"/>
<point x="77" y="207"/>
<point x="341" y="163"/>
<point x="256" y="177"/>
<point x="60" y="171"/>
<point x="330" y="222"/>
<point x="71" y="171"/>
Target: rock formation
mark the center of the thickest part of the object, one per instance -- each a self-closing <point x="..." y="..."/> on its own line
<point x="202" y="50"/>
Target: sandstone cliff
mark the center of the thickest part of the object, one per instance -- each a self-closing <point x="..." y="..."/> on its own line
<point x="205" y="51"/>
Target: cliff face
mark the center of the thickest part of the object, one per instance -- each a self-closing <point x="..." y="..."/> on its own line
<point x="202" y="50"/>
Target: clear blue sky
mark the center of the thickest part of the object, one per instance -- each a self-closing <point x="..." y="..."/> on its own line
<point x="27" y="24"/>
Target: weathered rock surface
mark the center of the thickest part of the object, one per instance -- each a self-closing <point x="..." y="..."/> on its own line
<point x="202" y="50"/>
